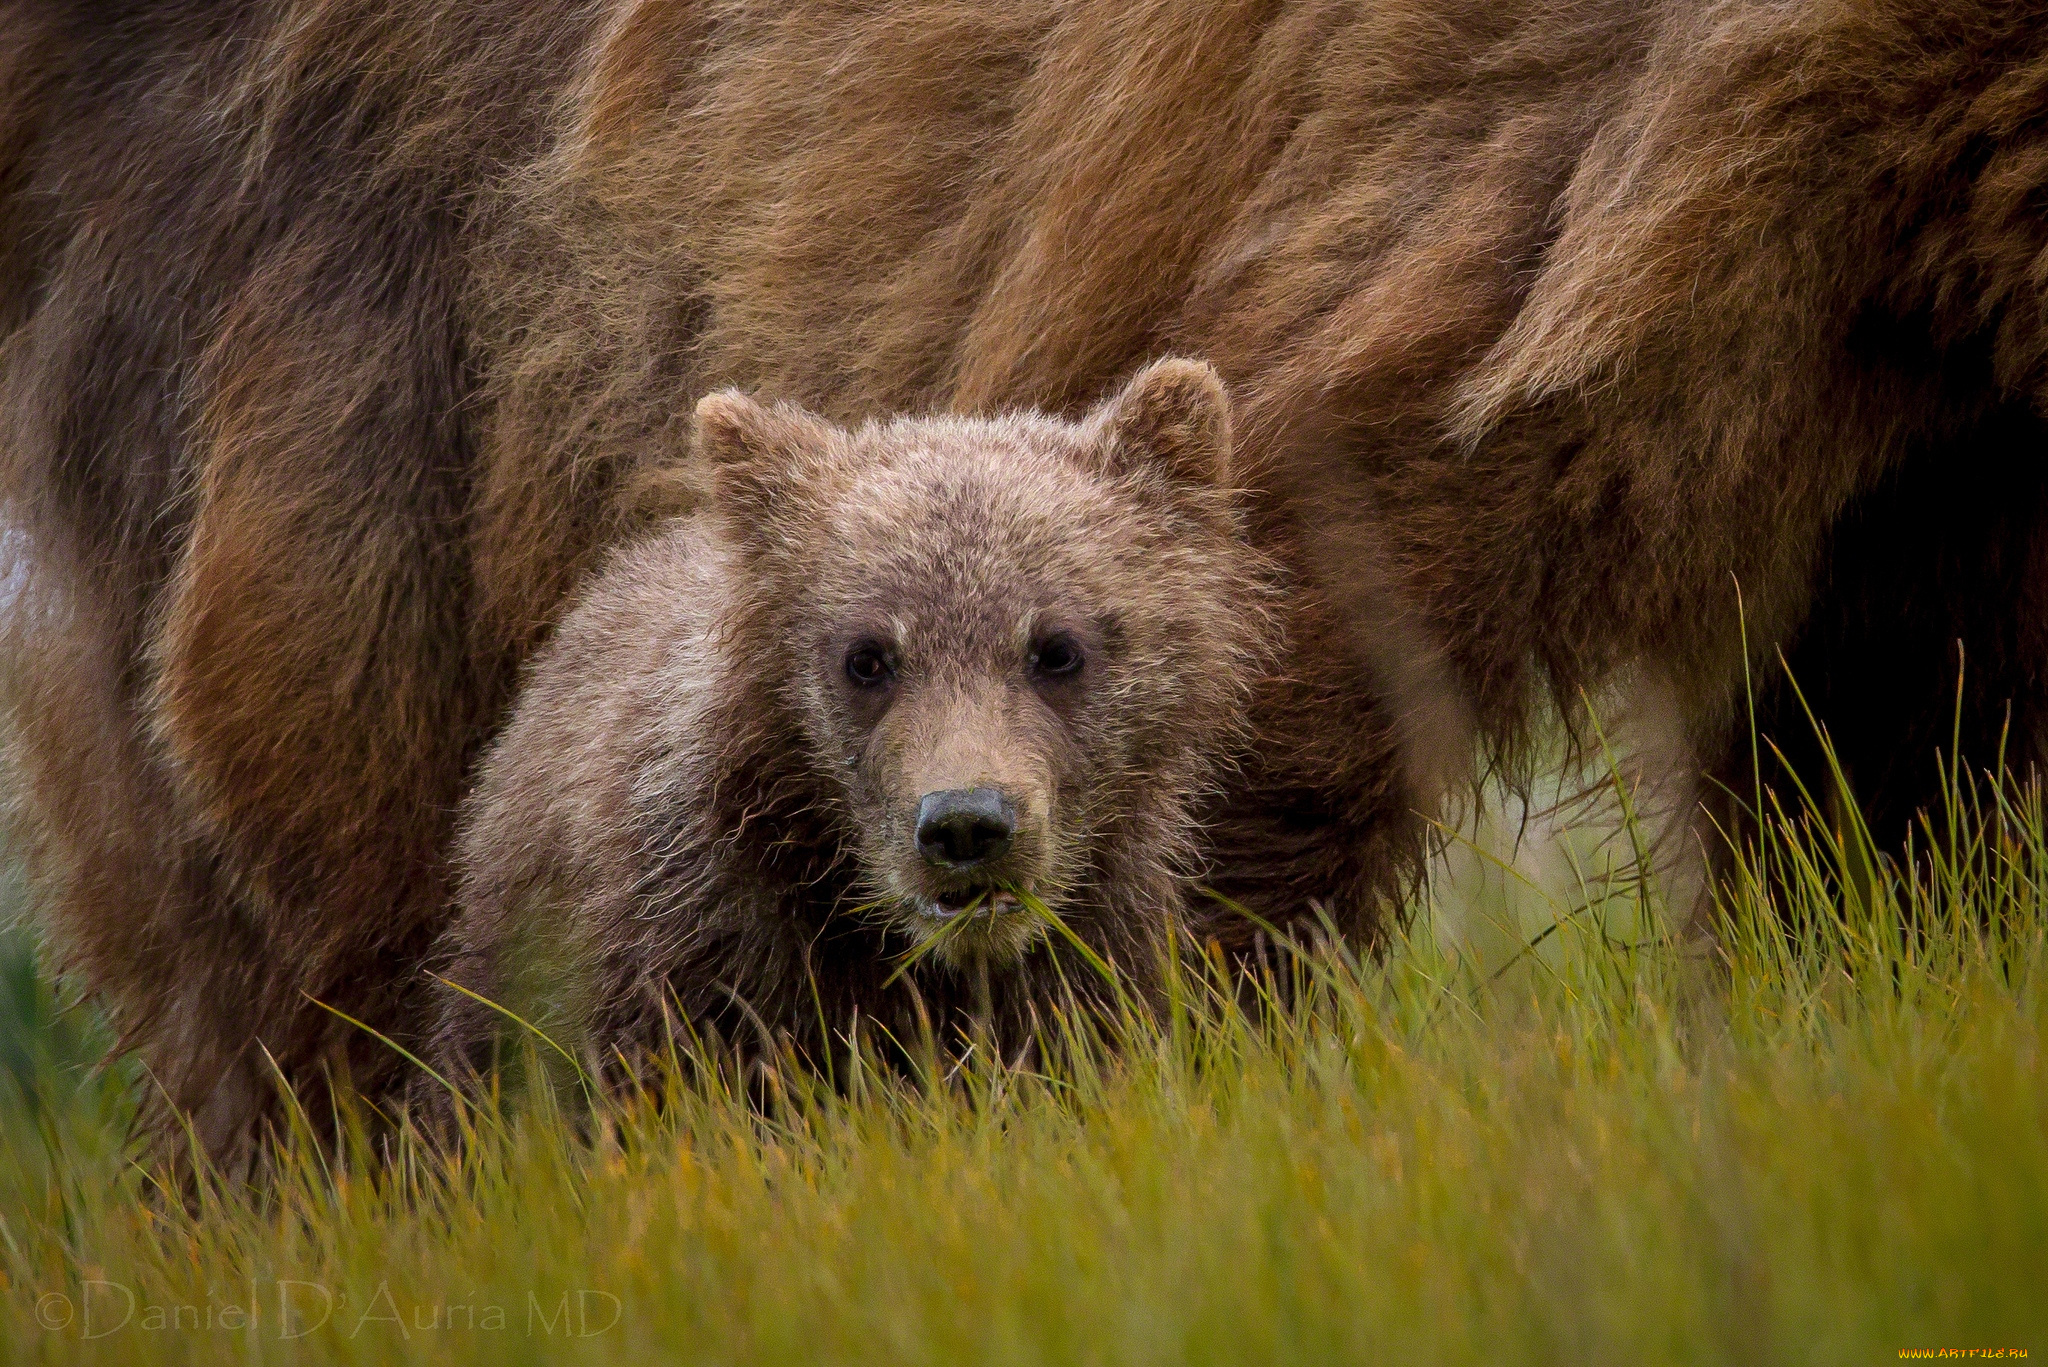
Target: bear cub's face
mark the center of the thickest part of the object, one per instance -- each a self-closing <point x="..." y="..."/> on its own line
<point x="1016" y="647"/>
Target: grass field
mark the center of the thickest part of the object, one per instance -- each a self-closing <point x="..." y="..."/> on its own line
<point x="1826" y="1144"/>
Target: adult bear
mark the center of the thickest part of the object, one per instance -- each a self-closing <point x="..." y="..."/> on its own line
<point x="332" y="326"/>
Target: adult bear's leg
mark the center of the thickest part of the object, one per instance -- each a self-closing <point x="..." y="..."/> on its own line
<point x="1928" y="634"/>
<point x="132" y="894"/>
<point x="238" y="472"/>
<point x="316" y="689"/>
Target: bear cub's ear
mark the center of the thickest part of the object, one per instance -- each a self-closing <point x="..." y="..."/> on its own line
<point x="1173" y="417"/>
<point x="750" y="451"/>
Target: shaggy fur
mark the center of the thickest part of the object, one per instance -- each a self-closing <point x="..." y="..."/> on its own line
<point x="696" y="809"/>
<point x="335" y="326"/>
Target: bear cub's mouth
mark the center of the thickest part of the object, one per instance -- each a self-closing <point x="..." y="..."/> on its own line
<point x="984" y="899"/>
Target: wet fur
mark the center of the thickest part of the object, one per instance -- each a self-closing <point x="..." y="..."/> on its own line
<point x="692" y="827"/>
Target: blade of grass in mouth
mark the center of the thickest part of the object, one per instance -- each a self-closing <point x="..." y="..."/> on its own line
<point x="949" y="928"/>
<point x="1046" y="914"/>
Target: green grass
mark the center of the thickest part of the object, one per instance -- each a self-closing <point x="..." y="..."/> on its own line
<point x="1826" y="1142"/>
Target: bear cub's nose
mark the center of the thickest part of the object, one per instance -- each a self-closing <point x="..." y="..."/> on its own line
<point x="963" y="828"/>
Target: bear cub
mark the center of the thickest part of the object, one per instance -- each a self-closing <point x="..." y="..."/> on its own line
<point x="874" y="682"/>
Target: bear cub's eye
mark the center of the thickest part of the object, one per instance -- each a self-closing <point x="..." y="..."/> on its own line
<point x="867" y="664"/>
<point x="1056" y="656"/>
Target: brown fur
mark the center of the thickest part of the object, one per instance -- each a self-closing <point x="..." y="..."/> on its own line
<point x="698" y="821"/>
<point x="338" y="324"/>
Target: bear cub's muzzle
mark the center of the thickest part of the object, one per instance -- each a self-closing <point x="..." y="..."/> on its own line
<point x="965" y="828"/>
<point x="969" y="839"/>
